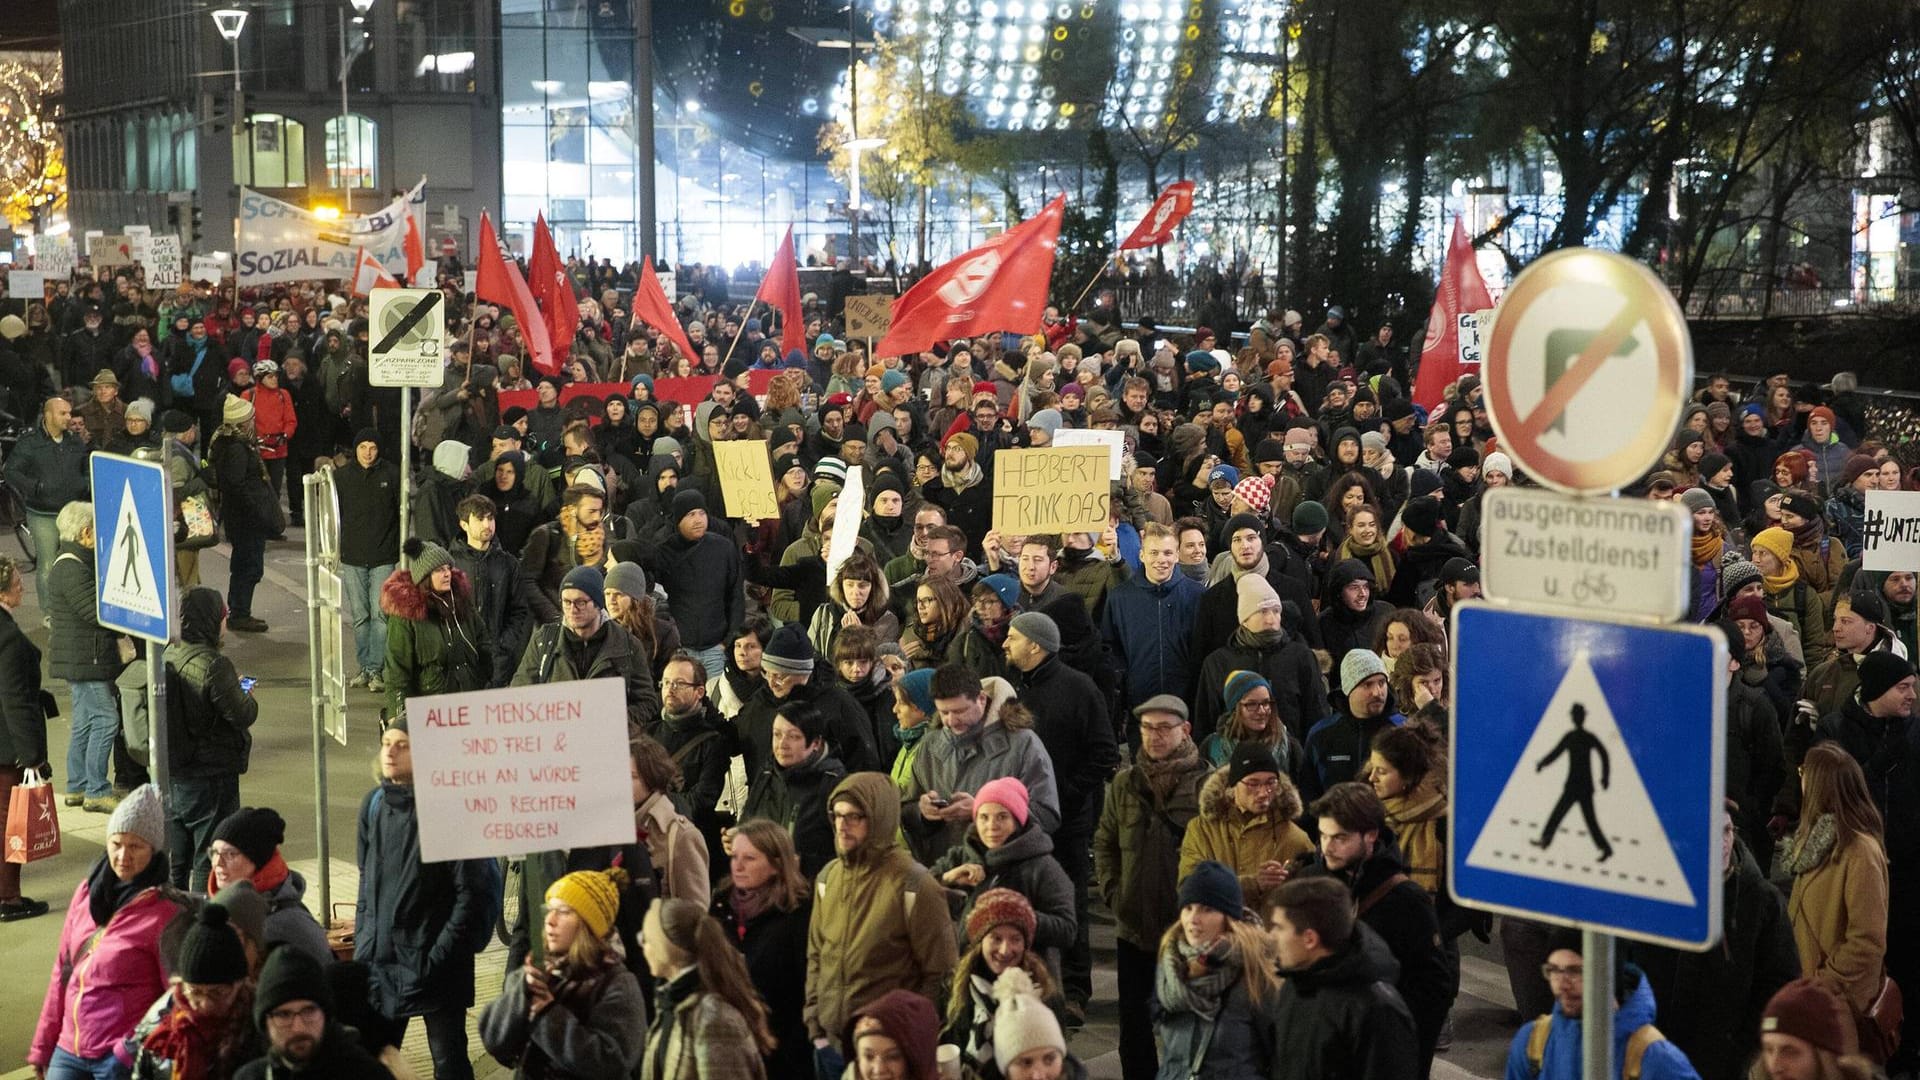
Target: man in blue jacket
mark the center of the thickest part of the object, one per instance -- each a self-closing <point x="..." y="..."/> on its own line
<point x="1148" y="622"/>
<point x="1639" y="1050"/>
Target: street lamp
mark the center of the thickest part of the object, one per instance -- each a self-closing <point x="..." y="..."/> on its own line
<point x="229" y="22"/>
<point x="360" y="9"/>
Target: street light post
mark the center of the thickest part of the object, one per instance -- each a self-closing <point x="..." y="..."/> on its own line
<point x="229" y="22"/>
<point x="360" y="9"/>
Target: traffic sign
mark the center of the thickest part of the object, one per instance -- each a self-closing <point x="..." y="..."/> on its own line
<point x="407" y="344"/>
<point x="1587" y="370"/>
<point x="1588" y="780"/>
<point x="133" y="546"/>
<point x="1627" y="556"/>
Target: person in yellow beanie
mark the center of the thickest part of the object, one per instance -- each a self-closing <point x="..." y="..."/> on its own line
<point x="1790" y="596"/>
<point x="583" y="1013"/>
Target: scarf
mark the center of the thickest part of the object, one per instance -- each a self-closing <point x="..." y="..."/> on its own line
<point x="1781" y="582"/>
<point x="148" y="365"/>
<point x="980" y="1031"/>
<point x="1417" y="817"/>
<point x="266" y="880"/>
<point x="1224" y="567"/>
<point x="107" y="894"/>
<point x="667" y="996"/>
<point x="1162" y="775"/>
<point x="1197" y="980"/>
<point x="1809" y="533"/>
<point x="962" y="480"/>
<point x="1377" y="556"/>
<point x="188" y="1041"/>
<point x="908" y="736"/>
<point x="1195" y="571"/>
<point x="1258" y="640"/>
<point x="749" y="904"/>
<point x="1815" y="847"/>
<point x="1707" y="547"/>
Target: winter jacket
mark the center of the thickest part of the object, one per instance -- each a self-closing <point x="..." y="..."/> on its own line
<point x="1756" y="759"/>
<point x="1225" y="834"/>
<point x="1402" y="913"/>
<point x="273" y="420"/>
<point x="210" y="727"/>
<point x="1283" y="659"/>
<point x="706" y="1039"/>
<point x="1340" y="1018"/>
<point x="1149" y="630"/>
<point x="1070" y="716"/>
<point x="434" y="645"/>
<point x="412" y="918"/>
<point x="47" y="474"/>
<point x="1237" y="1043"/>
<point x="880" y="921"/>
<point x="1343" y="629"/>
<point x="1421" y="566"/>
<point x="369" y="512"/>
<point x="247" y="501"/>
<point x="1888" y="751"/>
<point x="97" y="994"/>
<point x="848" y="730"/>
<point x="1136" y="848"/>
<point x="678" y="851"/>
<point x="290" y="923"/>
<point x="549" y="659"/>
<point x="795" y="798"/>
<point x="947" y="763"/>
<point x="775" y="945"/>
<point x="1025" y="864"/>
<point x="1803" y="609"/>
<point x="702" y="744"/>
<point x="208" y="1053"/>
<point x="705" y="588"/>
<point x="79" y="648"/>
<point x="1831" y="683"/>
<point x="596" y="1026"/>
<point x="23" y="716"/>
<point x="338" y="1057"/>
<point x="493" y="575"/>
<point x="544" y="561"/>
<point x="1338" y="746"/>
<point x="313" y="427"/>
<point x="1831" y="457"/>
<point x="1561" y="1059"/>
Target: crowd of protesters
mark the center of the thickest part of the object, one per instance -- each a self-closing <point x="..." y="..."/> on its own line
<point x="877" y="812"/>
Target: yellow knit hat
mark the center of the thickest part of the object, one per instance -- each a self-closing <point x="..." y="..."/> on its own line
<point x="594" y="894"/>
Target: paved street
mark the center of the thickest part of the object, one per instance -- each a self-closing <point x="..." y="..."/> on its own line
<point x="282" y="776"/>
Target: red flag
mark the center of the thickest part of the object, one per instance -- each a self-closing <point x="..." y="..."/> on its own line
<point x="416" y="248"/>
<point x="1462" y="292"/>
<point x="780" y="289"/>
<point x="652" y="308"/>
<point x="498" y="281"/>
<point x="369" y="275"/>
<point x="1167" y="211"/>
<point x="547" y="278"/>
<point x="1000" y="285"/>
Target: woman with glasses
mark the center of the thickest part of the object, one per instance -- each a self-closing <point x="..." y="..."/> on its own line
<point x="939" y="614"/>
<point x="792" y="790"/>
<point x="1249" y="718"/>
<point x="765" y="904"/>
<point x="581" y="1013"/>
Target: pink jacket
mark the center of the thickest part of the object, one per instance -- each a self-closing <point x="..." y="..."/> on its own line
<point x="92" y="1011"/>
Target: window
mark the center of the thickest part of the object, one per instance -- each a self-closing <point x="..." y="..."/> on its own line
<point x="436" y="41"/>
<point x="130" y="153"/>
<point x="273" y="46"/>
<point x="353" y="152"/>
<point x="270" y="152"/>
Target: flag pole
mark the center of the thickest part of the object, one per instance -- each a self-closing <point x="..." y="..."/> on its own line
<point x="744" y="316"/>
<point x="1109" y="257"/>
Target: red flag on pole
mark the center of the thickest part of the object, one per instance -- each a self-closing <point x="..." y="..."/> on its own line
<point x="780" y="289"/>
<point x="498" y="281"/>
<point x="369" y="275"/>
<point x="652" y="308"/>
<point x="415" y="247"/>
<point x="999" y="286"/>
<point x="1167" y="212"/>
<point x="547" y="278"/>
<point x="1461" y="293"/>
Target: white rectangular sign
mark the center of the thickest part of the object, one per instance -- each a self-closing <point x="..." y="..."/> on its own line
<point x="407" y="346"/>
<point x="54" y="255"/>
<point x="1114" y="441"/>
<point x="27" y="285"/>
<point x="163" y="261"/>
<point x="846" y="521"/>
<point x="1617" y="556"/>
<point x="521" y="769"/>
<point x="1890" y="532"/>
<point x="208" y="268"/>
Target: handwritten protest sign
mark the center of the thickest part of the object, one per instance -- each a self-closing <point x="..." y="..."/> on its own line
<point x="110" y="249"/>
<point x="1052" y="490"/>
<point x="163" y="261"/>
<point x="1890" y="532"/>
<point x="1113" y="439"/>
<point x="869" y="316"/>
<point x="522" y="769"/>
<point x="55" y="256"/>
<point x="746" y="479"/>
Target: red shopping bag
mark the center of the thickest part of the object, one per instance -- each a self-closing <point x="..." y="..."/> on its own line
<point x="33" y="825"/>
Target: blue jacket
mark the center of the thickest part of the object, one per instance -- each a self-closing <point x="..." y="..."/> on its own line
<point x="1150" y="628"/>
<point x="1662" y="1061"/>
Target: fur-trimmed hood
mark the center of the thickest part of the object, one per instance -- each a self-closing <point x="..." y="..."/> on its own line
<point x="399" y="596"/>
<point x="1216" y="798"/>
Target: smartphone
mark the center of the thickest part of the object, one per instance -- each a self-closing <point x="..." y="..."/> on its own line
<point x="246" y="684"/>
<point x="942" y="802"/>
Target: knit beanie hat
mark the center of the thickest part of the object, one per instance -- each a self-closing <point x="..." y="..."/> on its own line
<point x="1238" y="522"/>
<point x="1802" y="504"/>
<point x="1223" y="474"/>
<point x="423" y="558"/>
<point x="1736" y="576"/>
<point x="235" y="410"/>
<point x="910" y="1021"/>
<point x="257" y="831"/>
<point x="1271" y="449"/>
<point x="918" y="686"/>
<point x="892" y="379"/>
<point x="1712" y="464"/>
<point x="1424" y="482"/>
<point x="142" y="814"/>
<point x="1775" y="541"/>
<point x="1751" y="608"/>
<point x="1697" y="498"/>
<point x="626" y="579"/>
<point x="140" y="407"/>
<point x="1251" y="759"/>
<point x="1256" y="594"/>
<point x="1216" y="886"/>
<point x="1463" y="457"/>
<point x="1851" y="471"/>
<point x="176" y="422"/>
<point x="1255" y="491"/>
<point x="1009" y="792"/>
<point x="594" y="894"/>
<point x="1239" y="685"/>
<point x="589" y="580"/>
<point x="685" y="500"/>
<point x="1309" y="517"/>
<point x="1039" y="629"/>
<point x="1006" y="586"/>
<point x="289" y="975"/>
<point x="212" y="952"/>
<point x="1422" y="516"/>
<point x="1879" y="673"/>
<point x="1865" y="603"/>
<point x="1357" y="667"/>
<point x="1047" y="420"/>
<point x="1497" y="462"/>
<point x="825" y="489"/>
<point x="966" y="442"/>
<point x="1022" y="1023"/>
<point x="1806" y="1010"/>
<point x="1000" y="907"/>
<point x="788" y="652"/>
<point x="831" y="469"/>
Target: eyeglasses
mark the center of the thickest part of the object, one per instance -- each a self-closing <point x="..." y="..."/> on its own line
<point x="1264" y="705"/>
<point x="671" y="685"/>
<point x="838" y="818"/>
<point x="1553" y="973"/>
<point x="576" y="601"/>
<point x="226" y="856"/>
<point x="1260" y="785"/>
<point x="298" y="1014"/>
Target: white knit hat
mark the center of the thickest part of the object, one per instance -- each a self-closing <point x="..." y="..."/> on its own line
<point x="1021" y="1021"/>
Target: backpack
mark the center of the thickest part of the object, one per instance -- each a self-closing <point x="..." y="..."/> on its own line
<point x="493" y="887"/>
<point x="1643" y="1036"/>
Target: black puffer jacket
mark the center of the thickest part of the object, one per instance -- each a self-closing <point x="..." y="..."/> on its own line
<point x="47" y="474"/>
<point x="849" y="733"/>
<point x="369" y="512"/>
<point x="493" y="575"/>
<point x="775" y="944"/>
<point x="209" y="718"/>
<point x="1070" y="716"/>
<point x="1341" y="1017"/>
<point x="82" y="650"/>
<point x="247" y="498"/>
<point x="23" y="719"/>
<point x="1280" y="657"/>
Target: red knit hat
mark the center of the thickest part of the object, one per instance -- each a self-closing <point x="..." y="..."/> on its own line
<point x="1255" y="491"/>
<point x="1007" y="791"/>
<point x="910" y="1021"/>
<point x="1000" y="907"/>
<point x="1806" y="1010"/>
<point x="1748" y="607"/>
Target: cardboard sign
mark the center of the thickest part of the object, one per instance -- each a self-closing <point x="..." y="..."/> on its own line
<point x="55" y="256"/>
<point x="521" y="769"/>
<point x="28" y="285"/>
<point x="746" y="479"/>
<point x="869" y="316"/>
<point x="1058" y="489"/>
<point x="1114" y="440"/>
<point x="1890" y="532"/>
<point x="208" y="268"/>
<point x="848" y="513"/>
<point x="139" y="242"/>
<point x="163" y="261"/>
<point x="110" y="249"/>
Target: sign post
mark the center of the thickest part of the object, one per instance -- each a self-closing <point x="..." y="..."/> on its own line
<point x="326" y="666"/>
<point x="133" y="572"/>
<point x="408" y="348"/>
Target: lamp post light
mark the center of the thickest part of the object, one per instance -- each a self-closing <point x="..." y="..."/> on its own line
<point x="340" y="159"/>
<point x="230" y="21"/>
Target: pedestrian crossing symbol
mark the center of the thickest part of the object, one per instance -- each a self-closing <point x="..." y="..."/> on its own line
<point x="133" y="546"/>
<point x="1587" y="780"/>
<point x="130" y="581"/>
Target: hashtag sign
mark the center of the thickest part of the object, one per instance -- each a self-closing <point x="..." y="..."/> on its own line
<point x="1872" y="528"/>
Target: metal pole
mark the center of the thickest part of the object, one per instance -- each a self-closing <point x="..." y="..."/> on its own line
<point x="1596" y="1005"/>
<point x="853" y="134"/>
<point x="644" y="148"/>
<point x="317" y="701"/>
<point x="156" y="667"/>
<point x="340" y="143"/>
<point x="406" y="464"/>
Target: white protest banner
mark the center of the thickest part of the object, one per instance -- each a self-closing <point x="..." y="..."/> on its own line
<point x="139" y="240"/>
<point x="208" y="268"/>
<point x="282" y="242"/>
<point x="55" y="256"/>
<point x="521" y="769"/>
<point x="1890" y="532"/>
<point x="842" y="542"/>
<point x="1114" y="440"/>
<point x="28" y="285"/>
<point x="163" y="261"/>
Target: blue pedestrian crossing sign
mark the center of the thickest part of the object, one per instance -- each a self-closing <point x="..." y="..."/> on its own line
<point x="133" y="546"/>
<point x="1588" y="772"/>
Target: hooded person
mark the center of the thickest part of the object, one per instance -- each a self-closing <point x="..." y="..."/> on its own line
<point x="880" y="920"/>
<point x="210" y="739"/>
<point x="436" y="640"/>
<point x="1353" y="614"/>
<point x="438" y="491"/>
